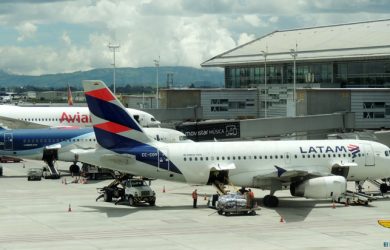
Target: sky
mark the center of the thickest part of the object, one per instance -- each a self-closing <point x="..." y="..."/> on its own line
<point x="60" y="36"/>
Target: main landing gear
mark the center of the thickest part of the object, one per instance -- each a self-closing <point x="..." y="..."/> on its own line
<point x="270" y="200"/>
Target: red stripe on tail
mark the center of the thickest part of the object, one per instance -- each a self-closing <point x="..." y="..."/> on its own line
<point x="112" y="127"/>
<point x="103" y="94"/>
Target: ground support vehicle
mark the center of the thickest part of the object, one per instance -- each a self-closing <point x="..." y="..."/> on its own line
<point x="235" y="204"/>
<point x="133" y="191"/>
<point x="93" y="172"/>
<point x="34" y="174"/>
<point x="354" y="198"/>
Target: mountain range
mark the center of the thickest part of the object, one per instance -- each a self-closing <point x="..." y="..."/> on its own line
<point x="143" y="76"/>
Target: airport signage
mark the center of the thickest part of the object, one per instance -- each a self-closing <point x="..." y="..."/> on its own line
<point x="210" y="131"/>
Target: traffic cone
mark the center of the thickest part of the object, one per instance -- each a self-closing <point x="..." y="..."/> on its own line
<point x="334" y="205"/>
<point x="282" y="220"/>
<point x="70" y="208"/>
<point x="164" y="189"/>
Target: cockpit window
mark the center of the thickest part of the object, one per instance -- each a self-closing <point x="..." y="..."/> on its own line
<point x="152" y="119"/>
<point x="387" y="153"/>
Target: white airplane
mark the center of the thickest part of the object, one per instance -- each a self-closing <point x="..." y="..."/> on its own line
<point x="39" y="117"/>
<point x="311" y="168"/>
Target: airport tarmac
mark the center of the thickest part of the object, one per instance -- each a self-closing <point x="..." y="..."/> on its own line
<point x="34" y="215"/>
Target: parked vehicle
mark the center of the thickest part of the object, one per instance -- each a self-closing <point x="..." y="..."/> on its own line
<point x="34" y="174"/>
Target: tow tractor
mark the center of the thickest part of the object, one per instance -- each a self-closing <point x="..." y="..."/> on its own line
<point x="130" y="189"/>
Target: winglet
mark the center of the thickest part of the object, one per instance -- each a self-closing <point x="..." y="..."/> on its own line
<point x="280" y="170"/>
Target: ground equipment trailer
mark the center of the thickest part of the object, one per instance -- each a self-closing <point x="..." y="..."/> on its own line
<point x="131" y="190"/>
<point x="235" y="204"/>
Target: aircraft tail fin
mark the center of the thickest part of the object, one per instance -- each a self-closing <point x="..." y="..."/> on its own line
<point x="114" y="127"/>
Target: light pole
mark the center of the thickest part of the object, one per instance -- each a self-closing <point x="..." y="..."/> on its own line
<point x="157" y="64"/>
<point x="294" y="54"/>
<point x="114" y="48"/>
<point x="265" y="82"/>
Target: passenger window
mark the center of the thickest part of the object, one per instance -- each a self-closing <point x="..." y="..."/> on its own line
<point x="185" y="159"/>
<point x="295" y="156"/>
<point x="234" y="157"/>
<point x="281" y="157"/>
<point x="190" y="158"/>
<point x="276" y="157"/>
<point x="228" y="158"/>
<point x="201" y="159"/>
<point x="217" y="158"/>
<point x="255" y="157"/>
<point x="196" y="158"/>
<point x="270" y="156"/>
<point x="207" y="158"/>
<point x="303" y="156"/>
<point x="308" y="156"/>
<point x="223" y="157"/>
<point x="244" y="157"/>
<point x="265" y="157"/>
<point x="239" y="157"/>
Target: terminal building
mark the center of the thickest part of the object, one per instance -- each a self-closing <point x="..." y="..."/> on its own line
<point x="355" y="55"/>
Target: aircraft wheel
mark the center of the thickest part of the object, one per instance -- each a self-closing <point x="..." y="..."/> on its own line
<point x="383" y="188"/>
<point x="107" y="196"/>
<point x="266" y="200"/>
<point x="273" y="201"/>
<point x="74" y="169"/>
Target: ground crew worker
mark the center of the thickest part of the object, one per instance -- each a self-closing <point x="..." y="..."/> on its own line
<point x="251" y="197"/>
<point x="195" y="197"/>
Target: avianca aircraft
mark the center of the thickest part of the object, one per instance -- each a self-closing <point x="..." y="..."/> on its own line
<point x="311" y="168"/>
<point x="51" y="144"/>
<point x="24" y="117"/>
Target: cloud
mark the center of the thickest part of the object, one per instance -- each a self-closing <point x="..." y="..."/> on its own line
<point x="181" y="32"/>
<point x="26" y="30"/>
<point x="66" y="39"/>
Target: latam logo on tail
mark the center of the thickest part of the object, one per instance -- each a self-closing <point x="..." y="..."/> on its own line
<point x="79" y="118"/>
<point x="353" y="149"/>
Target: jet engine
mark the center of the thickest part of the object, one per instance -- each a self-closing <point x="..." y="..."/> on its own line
<point x="320" y="187"/>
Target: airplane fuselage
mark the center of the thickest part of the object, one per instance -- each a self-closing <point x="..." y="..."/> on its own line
<point x="65" y="116"/>
<point x="246" y="160"/>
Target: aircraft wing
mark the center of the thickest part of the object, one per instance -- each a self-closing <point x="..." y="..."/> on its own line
<point x="12" y="123"/>
<point x="293" y="173"/>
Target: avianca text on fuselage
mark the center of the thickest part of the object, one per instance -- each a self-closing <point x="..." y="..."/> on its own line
<point x="354" y="149"/>
<point x="80" y="118"/>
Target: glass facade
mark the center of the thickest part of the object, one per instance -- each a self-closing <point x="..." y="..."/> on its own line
<point x="373" y="73"/>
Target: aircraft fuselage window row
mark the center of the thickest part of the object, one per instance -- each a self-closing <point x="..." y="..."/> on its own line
<point x="266" y="157"/>
<point x="39" y="119"/>
<point x="57" y="140"/>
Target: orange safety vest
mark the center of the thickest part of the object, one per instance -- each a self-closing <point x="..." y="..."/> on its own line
<point x="194" y="195"/>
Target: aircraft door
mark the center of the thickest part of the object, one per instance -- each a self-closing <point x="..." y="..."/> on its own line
<point x="369" y="155"/>
<point x="163" y="161"/>
<point x="8" y="141"/>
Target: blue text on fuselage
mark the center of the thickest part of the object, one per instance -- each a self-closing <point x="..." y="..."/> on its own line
<point x="322" y="149"/>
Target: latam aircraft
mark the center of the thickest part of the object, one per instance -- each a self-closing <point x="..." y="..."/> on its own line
<point x="39" y="117"/>
<point x="311" y="168"/>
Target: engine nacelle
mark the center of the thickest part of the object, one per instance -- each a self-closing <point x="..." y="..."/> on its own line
<point x="320" y="187"/>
